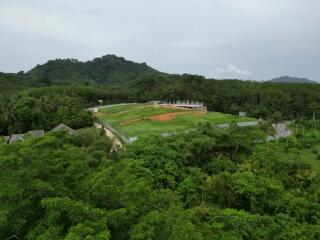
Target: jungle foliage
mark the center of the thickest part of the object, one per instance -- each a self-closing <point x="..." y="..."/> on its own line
<point x="214" y="184"/>
<point x="207" y="184"/>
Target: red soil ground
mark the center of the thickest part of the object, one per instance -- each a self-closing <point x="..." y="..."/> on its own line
<point x="166" y="116"/>
<point x="162" y="117"/>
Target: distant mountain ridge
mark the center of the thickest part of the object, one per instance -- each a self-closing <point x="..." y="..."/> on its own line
<point x="288" y="79"/>
<point x="105" y="71"/>
<point x="108" y="69"/>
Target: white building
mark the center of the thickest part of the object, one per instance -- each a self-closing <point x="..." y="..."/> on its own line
<point x="242" y="114"/>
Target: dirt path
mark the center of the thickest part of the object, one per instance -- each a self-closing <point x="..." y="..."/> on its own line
<point x="116" y="144"/>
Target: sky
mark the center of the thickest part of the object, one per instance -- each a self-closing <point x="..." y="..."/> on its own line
<point x="245" y="39"/>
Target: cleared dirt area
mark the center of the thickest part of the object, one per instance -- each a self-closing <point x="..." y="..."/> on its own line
<point x="162" y="117"/>
<point x="170" y="116"/>
<point x="153" y="119"/>
<point x="167" y="116"/>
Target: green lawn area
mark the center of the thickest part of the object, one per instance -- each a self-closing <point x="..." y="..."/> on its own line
<point x="134" y="119"/>
<point x="311" y="157"/>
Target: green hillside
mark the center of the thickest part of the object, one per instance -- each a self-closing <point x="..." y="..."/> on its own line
<point x="211" y="183"/>
<point x="288" y="79"/>
<point x="135" y="120"/>
<point x="108" y="69"/>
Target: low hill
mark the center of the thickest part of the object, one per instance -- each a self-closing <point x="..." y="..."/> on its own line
<point x="108" y="69"/>
<point x="288" y="79"/>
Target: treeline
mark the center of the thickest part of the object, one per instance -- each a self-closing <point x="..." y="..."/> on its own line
<point x="210" y="184"/>
<point x="280" y="101"/>
<point x="44" y="106"/>
<point x="266" y="100"/>
<point x="106" y="71"/>
<point x="29" y="110"/>
<point x="116" y="80"/>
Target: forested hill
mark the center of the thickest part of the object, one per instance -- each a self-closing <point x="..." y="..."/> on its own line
<point x="115" y="80"/>
<point x="288" y="79"/>
<point x="108" y="69"/>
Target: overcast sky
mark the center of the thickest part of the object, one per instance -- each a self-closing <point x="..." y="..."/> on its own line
<point x="247" y="39"/>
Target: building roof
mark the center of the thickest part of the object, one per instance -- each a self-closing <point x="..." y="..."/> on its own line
<point x="63" y="127"/>
<point x="16" y="137"/>
<point x="36" y="133"/>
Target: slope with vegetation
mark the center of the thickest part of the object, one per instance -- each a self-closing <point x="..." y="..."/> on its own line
<point x="135" y="120"/>
<point x="211" y="184"/>
<point x="118" y="80"/>
<point x="288" y="79"/>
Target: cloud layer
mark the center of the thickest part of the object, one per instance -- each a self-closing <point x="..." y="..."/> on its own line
<point x="231" y="71"/>
<point x="261" y="38"/>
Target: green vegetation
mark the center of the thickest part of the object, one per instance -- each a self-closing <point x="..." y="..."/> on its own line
<point x="29" y="111"/>
<point x="205" y="184"/>
<point x="136" y="120"/>
<point x="210" y="184"/>
<point x="308" y="133"/>
<point x="106" y="70"/>
<point x="312" y="157"/>
<point x="117" y="80"/>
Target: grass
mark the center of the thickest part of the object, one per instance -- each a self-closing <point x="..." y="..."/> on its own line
<point x="134" y="119"/>
<point x="311" y="157"/>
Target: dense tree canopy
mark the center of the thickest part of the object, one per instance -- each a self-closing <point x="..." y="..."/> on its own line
<point x="24" y="112"/>
<point x="206" y="184"/>
<point x="115" y="79"/>
<point x="210" y="183"/>
<point x="56" y="103"/>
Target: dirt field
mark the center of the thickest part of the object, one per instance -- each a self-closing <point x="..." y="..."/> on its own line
<point x="162" y="117"/>
<point x="167" y="116"/>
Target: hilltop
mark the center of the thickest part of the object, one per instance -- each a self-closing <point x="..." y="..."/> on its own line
<point x="108" y="69"/>
<point x="288" y="79"/>
<point x="113" y="71"/>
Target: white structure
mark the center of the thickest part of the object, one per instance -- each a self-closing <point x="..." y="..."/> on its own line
<point x="242" y="114"/>
<point x="194" y="105"/>
<point x="95" y="110"/>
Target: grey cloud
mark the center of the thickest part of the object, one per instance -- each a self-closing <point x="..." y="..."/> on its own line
<point x="265" y="38"/>
<point x="231" y="71"/>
